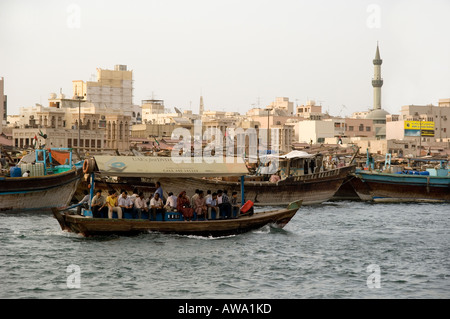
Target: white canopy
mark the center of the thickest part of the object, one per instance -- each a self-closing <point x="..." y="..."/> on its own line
<point x="292" y="154"/>
<point x="152" y="166"/>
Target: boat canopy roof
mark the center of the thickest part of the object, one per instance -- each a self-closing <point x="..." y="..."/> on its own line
<point x="153" y="166"/>
<point x="291" y="155"/>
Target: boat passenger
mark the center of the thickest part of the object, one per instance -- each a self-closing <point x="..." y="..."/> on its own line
<point x="84" y="203"/>
<point x="274" y="178"/>
<point x="159" y="190"/>
<point x="140" y="205"/>
<point x="235" y="208"/>
<point x="184" y="206"/>
<point x="157" y="206"/>
<point x="200" y="205"/>
<point x="211" y="203"/>
<point x="193" y="198"/>
<point x="26" y="174"/>
<point x="112" y="202"/>
<point x="224" y="203"/>
<point x="134" y="195"/>
<point x="99" y="207"/>
<point x="171" y="203"/>
<point x="208" y="194"/>
<point x="126" y="204"/>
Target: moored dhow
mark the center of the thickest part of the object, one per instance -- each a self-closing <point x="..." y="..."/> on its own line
<point x="42" y="190"/>
<point x="386" y="187"/>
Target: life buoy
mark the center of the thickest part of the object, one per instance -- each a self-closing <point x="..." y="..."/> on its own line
<point x="88" y="166"/>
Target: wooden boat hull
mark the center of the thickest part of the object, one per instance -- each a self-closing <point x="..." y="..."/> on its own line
<point x="214" y="228"/>
<point x="38" y="193"/>
<point x="312" y="188"/>
<point x="383" y="187"/>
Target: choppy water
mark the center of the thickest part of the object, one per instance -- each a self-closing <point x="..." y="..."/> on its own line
<point x="324" y="252"/>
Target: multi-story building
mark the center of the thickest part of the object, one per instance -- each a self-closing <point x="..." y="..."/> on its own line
<point x="425" y="122"/>
<point x="90" y="121"/>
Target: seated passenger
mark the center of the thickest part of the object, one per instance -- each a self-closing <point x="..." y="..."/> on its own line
<point x="184" y="206"/>
<point x="211" y="203"/>
<point x="126" y="204"/>
<point x="200" y="205"/>
<point x="224" y="204"/>
<point x="171" y="203"/>
<point x="193" y="198"/>
<point x="112" y="203"/>
<point x="157" y="206"/>
<point x="99" y="207"/>
<point x="140" y="205"/>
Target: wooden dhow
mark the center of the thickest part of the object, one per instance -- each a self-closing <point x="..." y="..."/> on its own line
<point x="173" y="221"/>
<point x="41" y="192"/>
<point x="214" y="228"/>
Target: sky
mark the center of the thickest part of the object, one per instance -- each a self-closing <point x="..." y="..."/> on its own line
<point x="236" y="54"/>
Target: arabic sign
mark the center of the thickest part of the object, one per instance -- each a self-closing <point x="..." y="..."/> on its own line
<point x="419" y="128"/>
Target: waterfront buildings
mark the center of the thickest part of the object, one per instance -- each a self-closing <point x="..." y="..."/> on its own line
<point x="92" y="120"/>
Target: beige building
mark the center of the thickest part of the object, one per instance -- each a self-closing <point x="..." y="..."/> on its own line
<point x="90" y="121"/>
<point x="113" y="90"/>
<point x="359" y="128"/>
<point x="283" y="103"/>
<point x="310" y="111"/>
<point x="426" y="122"/>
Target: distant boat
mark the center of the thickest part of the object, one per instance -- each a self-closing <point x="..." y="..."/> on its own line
<point x="44" y="190"/>
<point x="429" y="184"/>
<point x="385" y="187"/>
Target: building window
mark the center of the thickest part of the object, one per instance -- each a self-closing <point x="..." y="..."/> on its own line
<point x="350" y="128"/>
<point x="361" y="128"/>
<point x="367" y="128"/>
<point x="99" y="144"/>
<point x="69" y="142"/>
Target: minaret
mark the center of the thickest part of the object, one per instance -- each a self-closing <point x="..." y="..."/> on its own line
<point x="202" y="107"/>
<point x="377" y="81"/>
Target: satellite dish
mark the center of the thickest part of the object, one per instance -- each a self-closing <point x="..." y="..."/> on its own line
<point x="177" y="110"/>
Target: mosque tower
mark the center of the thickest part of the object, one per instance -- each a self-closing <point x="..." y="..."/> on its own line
<point x="377" y="114"/>
<point x="202" y="106"/>
<point x="377" y="81"/>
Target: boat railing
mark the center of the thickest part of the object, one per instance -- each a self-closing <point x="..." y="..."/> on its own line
<point x="322" y="174"/>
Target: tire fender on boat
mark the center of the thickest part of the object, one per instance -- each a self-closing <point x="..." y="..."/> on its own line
<point x="88" y="166"/>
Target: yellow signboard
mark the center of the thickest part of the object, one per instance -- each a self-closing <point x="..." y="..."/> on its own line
<point x="419" y="125"/>
<point x="419" y="128"/>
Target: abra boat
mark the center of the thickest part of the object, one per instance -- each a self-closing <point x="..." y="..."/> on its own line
<point x="302" y="176"/>
<point x="173" y="221"/>
<point x="431" y="185"/>
<point x="174" y="224"/>
<point x="47" y="187"/>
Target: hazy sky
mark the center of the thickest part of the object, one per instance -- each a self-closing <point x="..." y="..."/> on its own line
<point x="233" y="52"/>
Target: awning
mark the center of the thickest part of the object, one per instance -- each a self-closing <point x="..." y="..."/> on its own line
<point x="152" y="166"/>
<point x="293" y="154"/>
